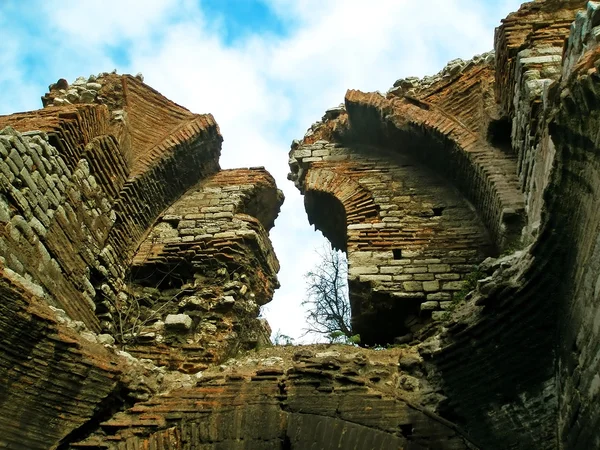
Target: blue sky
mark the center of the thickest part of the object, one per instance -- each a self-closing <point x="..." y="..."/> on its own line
<point x="265" y="69"/>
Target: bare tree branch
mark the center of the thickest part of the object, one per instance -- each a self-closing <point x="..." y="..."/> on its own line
<point x="327" y="304"/>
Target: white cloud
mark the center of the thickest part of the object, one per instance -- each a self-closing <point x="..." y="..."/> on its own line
<point x="266" y="90"/>
<point x="109" y="21"/>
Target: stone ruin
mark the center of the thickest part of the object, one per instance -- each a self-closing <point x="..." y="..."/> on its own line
<point x="133" y="268"/>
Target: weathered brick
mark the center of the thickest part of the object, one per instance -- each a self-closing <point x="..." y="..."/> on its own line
<point x="375" y="278"/>
<point x="453" y="285"/>
<point x="429" y="306"/>
<point x="363" y="270"/>
<point x="431" y="286"/>
<point x="412" y="286"/>
<point x="438" y="268"/>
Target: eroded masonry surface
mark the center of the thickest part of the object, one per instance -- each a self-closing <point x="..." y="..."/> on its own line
<point x="133" y="268"/>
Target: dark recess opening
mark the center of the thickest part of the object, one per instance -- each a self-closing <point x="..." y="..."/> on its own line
<point x="379" y="318"/>
<point x="406" y="429"/>
<point x="499" y="134"/>
<point x="397" y="253"/>
<point x="438" y="210"/>
<point x="286" y="444"/>
<point x="329" y="216"/>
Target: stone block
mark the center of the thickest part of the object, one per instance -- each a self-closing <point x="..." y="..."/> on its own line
<point x="428" y="261"/>
<point x="431" y="286"/>
<point x="225" y="235"/>
<point x="440" y="296"/>
<point x="417" y="269"/>
<point x="383" y="255"/>
<point x="105" y="339"/>
<point x="394" y="270"/>
<point x="178" y="323"/>
<point x="453" y="285"/>
<point x="16" y="159"/>
<point x="429" y="306"/>
<point x="360" y="226"/>
<point x="438" y="268"/>
<point x="447" y="276"/>
<point x="185" y="223"/>
<point x="412" y="286"/>
<point x="375" y="278"/>
<point x="424" y="276"/>
<point x="404" y="277"/>
<point x="363" y="270"/>
<point x="409" y="295"/>
<point x="301" y="153"/>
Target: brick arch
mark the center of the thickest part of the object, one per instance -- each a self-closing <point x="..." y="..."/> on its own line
<point x="435" y="133"/>
<point x="333" y="200"/>
<point x="111" y="175"/>
<point x="243" y="195"/>
<point x="411" y="238"/>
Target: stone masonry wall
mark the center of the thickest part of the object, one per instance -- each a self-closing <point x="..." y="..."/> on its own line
<point x="56" y="221"/>
<point x="442" y="145"/>
<point x="517" y="360"/>
<point x="529" y="45"/>
<point x="573" y="201"/>
<point x="553" y="48"/>
<point x="104" y="210"/>
<point x="202" y="272"/>
<point x="411" y="239"/>
<point x="81" y="182"/>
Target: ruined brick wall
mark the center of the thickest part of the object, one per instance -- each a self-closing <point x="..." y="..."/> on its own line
<point x="530" y="45"/>
<point x="406" y="168"/>
<point x="307" y="399"/>
<point x="551" y="51"/>
<point x="573" y="201"/>
<point x="518" y="360"/>
<point x="82" y="181"/>
<point x="203" y="271"/>
<point x="75" y="211"/>
<point x="410" y="237"/>
<point x="51" y="379"/>
<point x="114" y="219"/>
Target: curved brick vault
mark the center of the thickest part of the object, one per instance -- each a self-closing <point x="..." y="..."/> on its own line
<point x="133" y="268"/>
<point x="324" y="399"/>
<point x="107" y="156"/>
<point x="410" y="238"/>
<point x="519" y="359"/>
